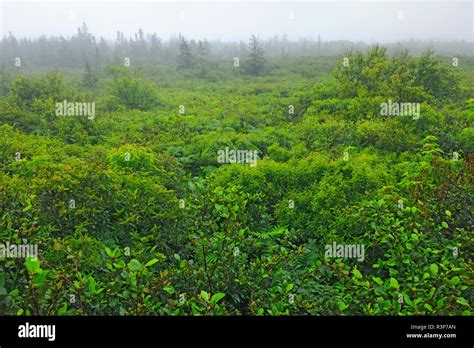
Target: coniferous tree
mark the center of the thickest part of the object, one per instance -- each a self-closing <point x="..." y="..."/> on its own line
<point x="89" y="79"/>
<point x="185" y="58"/>
<point x="202" y="52"/>
<point x="256" y="59"/>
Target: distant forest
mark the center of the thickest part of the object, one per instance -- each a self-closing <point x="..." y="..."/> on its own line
<point x="148" y="48"/>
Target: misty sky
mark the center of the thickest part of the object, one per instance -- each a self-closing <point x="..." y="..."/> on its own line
<point x="367" y="21"/>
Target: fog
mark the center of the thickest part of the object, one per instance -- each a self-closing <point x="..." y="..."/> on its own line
<point x="366" y="21"/>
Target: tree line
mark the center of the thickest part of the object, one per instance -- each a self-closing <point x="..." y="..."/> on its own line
<point x="148" y="48"/>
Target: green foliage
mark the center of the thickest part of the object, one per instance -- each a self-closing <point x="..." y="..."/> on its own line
<point x="25" y="91"/>
<point x="401" y="78"/>
<point x="133" y="93"/>
<point x="132" y="158"/>
<point x="133" y="214"/>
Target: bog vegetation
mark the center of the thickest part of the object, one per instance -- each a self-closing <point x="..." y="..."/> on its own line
<point x="133" y="214"/>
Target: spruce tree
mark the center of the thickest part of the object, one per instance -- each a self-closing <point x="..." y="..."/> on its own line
<point x="185" y="56"/>
<point x="89" y="79"/>
<point x="256" y="60"/>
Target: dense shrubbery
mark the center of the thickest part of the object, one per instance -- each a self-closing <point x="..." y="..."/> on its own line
<point x="133" y="214"/>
